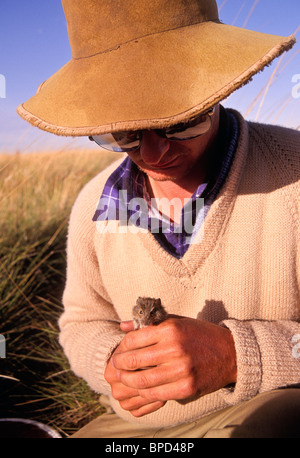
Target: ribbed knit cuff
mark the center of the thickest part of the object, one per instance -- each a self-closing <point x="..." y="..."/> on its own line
<point x="248" y="363"/>
<point x="102" y="355"/>
<point x="88" y="348"/>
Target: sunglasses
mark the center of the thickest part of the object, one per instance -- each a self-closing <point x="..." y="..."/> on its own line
<point x="123" y="142"/>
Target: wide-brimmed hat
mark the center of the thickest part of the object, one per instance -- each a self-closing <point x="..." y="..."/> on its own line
<point x="140" y="64"/>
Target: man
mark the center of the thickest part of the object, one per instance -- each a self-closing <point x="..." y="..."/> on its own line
<point x="146" y="79"/>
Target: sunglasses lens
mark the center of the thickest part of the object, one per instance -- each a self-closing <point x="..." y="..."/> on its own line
<point x="191" y="130"/>
<point x="123" y="142"/>
<point x="119" y="141"/>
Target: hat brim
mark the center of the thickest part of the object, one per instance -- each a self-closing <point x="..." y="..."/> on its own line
<point x="151" y="82"/>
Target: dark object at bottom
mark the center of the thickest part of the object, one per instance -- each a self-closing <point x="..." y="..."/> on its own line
<point x="18" y="428"/>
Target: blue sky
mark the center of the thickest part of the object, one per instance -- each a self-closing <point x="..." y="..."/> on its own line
<point x="34" y="45"/>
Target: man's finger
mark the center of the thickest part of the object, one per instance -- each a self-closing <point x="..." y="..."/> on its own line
<point x="151" y="377"/>
<point x="140" y="338"/>
<point x="127" y="326"/>
<point x="146" y="409"/>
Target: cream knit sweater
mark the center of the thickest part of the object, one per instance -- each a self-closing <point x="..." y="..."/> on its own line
<point x="243" y="274"/>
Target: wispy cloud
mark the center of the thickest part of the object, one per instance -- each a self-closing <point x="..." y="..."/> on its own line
<point x="223" y="4"/>
<point x="238" y="13"/>
<point x="254" y="5"/>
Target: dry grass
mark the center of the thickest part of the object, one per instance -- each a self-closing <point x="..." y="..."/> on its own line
<point x="37" y="189"/>
<point x="37" y="192"/>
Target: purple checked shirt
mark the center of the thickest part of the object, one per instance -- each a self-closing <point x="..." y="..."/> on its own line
<point x="125" y="197"/>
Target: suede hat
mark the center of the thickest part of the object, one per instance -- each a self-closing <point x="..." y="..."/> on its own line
<point x="140" y="64"/>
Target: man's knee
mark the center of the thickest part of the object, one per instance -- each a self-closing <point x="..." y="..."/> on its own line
<point x="271" y="415"/>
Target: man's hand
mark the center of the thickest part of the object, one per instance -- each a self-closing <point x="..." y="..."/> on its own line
<point x="129" y="398"/>
<point x="183" y="357"/>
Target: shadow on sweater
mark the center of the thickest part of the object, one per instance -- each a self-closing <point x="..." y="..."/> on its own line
<point x="213" y="311"/>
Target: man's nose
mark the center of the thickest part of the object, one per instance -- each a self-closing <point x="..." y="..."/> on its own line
<point x="153" y="147"/>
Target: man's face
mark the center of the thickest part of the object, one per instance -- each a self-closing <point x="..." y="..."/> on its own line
<point x="168" y="160"/>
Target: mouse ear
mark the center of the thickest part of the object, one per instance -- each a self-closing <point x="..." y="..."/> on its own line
<point x="158" y="301"/>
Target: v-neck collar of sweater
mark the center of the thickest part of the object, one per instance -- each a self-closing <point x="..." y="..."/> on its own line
<point x="215" y="222"/>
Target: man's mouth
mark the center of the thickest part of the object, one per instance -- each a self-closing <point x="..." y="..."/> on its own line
<point x="163" y="165"/>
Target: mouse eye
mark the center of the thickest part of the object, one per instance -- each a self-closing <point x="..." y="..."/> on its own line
<point x="141" y="312"/>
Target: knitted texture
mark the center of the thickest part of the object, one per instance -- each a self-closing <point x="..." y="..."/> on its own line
<point x="243" y="272"/>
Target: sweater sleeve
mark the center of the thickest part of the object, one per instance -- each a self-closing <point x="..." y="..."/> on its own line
<point x="267" y="357"/>
<point x="268" y="352"/>
<point x="89" y="325"/>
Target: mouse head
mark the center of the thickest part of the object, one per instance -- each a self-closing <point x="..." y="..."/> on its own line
<point x="148" y="311"/>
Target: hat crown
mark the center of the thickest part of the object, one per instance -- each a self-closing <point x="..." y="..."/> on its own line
<point x="107" y="24"/>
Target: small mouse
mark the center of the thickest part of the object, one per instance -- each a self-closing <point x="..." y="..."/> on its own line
<point x="148" y="311"/>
